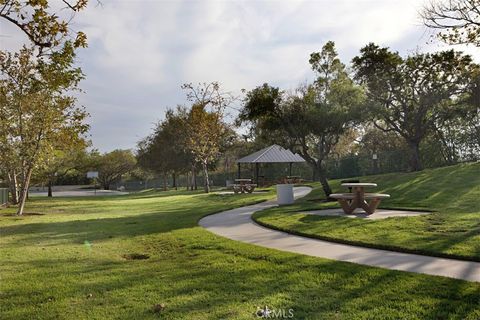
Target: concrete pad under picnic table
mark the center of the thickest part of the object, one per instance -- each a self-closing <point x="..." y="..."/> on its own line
<point x="360" y="213"/>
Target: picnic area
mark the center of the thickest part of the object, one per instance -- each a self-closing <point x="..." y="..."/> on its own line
<point x="239" y="160"/>
<point x="98" y="239"/>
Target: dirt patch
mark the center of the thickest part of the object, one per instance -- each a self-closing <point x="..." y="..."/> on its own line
<point x="135" y="256"/>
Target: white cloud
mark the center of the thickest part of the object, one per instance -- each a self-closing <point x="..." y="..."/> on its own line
<point x="140" y="52"/>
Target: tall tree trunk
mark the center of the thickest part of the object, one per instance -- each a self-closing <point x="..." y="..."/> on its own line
<point x="174" y="181"/>
<point x="13" y="186"/>
<point x="50" y="189"/>
<point x="24" y="191"/>
<point x="205" y="177"/>
<point x="188" y="181"/>
<point x="321" y="175"/>
<point x="195" y="186"/>
<point x="415" y="161"/>
<point x="13" y="194"/>
<point x="164" y="181"/>
<point x="193" y="182"/>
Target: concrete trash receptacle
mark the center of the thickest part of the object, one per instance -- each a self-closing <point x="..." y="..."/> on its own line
<point x="284" y="194"/>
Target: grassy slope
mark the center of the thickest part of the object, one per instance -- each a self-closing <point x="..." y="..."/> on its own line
<point x="453" y="230"/>
<point x="67" y="264"/>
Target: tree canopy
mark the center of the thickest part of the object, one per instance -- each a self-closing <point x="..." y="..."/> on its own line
<point x="412" y="95"/>
<point x="311" y="120"/>
<point x="113" y="165"/>
<point x="42" y="24"/>
<point x="38" y="113"/>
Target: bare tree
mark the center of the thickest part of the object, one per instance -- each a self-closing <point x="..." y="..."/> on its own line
<point x="458" y="21"/>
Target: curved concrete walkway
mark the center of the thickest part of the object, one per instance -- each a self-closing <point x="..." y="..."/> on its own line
<point x="237" y="225"/>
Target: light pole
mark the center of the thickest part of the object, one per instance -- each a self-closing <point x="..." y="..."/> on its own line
<point x="375" y="163"/>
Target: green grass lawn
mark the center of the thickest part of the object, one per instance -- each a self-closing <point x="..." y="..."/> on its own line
<point x="453" y="230"/>
<point x="68" y="262"/>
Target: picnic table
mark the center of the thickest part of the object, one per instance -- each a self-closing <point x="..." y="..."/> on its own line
<point x="243" y="185"/>
<point x="358" y="198"/>
<point x="292" y="179"/>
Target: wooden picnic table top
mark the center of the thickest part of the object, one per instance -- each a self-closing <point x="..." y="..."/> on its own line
<point x="243" y="180"/>
<point x="359" y="185"/>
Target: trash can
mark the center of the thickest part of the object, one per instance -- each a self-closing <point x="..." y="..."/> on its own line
<point x="284" y="194"/>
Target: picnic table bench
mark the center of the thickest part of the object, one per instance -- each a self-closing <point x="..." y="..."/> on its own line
<point x="244" y="185"/>
<point x="358" y="198"/>
<point x="292" y="179"/>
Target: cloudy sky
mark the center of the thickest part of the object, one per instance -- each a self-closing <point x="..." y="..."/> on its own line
<point x="140" y="51"/>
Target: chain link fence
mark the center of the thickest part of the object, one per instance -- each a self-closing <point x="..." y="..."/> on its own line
<point x="3" y="196"/>
<point x="363" y="165"/>
<point x="337" y="168"/>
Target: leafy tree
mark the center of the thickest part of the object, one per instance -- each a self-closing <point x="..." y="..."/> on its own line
<point x="150" y="156"/>
<point x="389" y="147"/>
<point x="205" y="132"/>
<point x="38" y="111"/>
<point x="410" y="95"/>
<point x="374" y="141"/>
<point x="173" y="132"/>
<point x="60" y="162"/>
<point x="458" y="137"/>
<point x="262" y="109"/>
<point x="311" y="120"/>
<point x="142" y="174"/>
<point x="347" y="144"/>
<point x="43" y="26"/>
<point x="458" y="21"/>
<point x="205" y="127"/>
<point x="164" y="151"/>
<point x="113" y="165"/>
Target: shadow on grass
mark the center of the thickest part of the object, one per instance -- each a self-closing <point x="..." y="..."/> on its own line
<point x="78" y="231"/>
<point x="231" y="280"/>
<point x="337" y="229"/>
<point x="153" y="218"/>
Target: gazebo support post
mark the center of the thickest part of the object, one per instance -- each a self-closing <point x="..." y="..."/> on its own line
<point x="290" y="169"/>
<point x="238" y="170"/>
<point x="257" y="169"/>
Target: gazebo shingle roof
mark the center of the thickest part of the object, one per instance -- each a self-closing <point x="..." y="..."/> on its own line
<point x="272" y="154"/>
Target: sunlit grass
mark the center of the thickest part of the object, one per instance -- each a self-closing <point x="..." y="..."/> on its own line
<point x="69" y="263"/>
<point x="452" y="230"/>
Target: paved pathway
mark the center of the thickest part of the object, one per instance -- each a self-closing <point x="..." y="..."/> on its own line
<point x="237" y="225"/>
